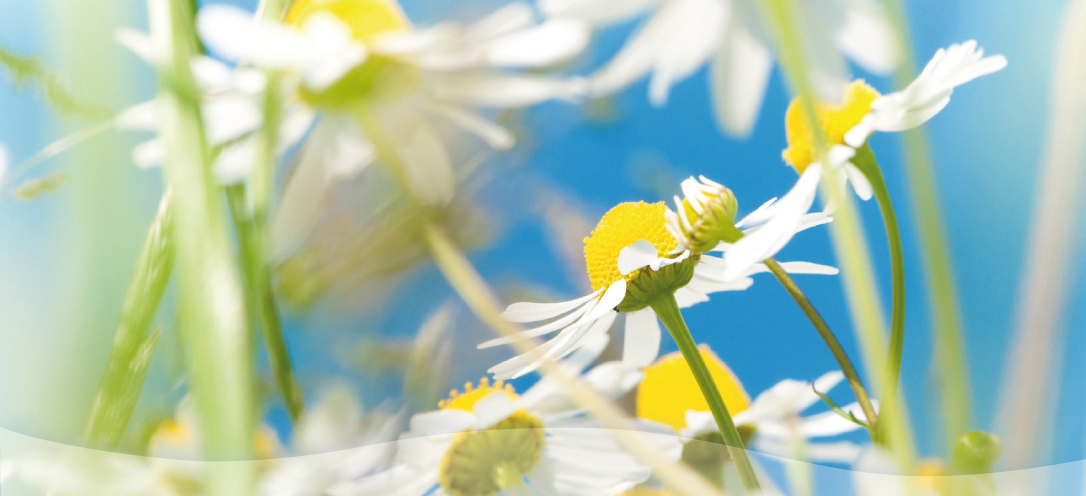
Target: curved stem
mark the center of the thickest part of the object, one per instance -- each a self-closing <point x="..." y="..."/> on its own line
<point x="831" y="341"/>
<point x="865" y="161"/>
<point x="667" y="309"/>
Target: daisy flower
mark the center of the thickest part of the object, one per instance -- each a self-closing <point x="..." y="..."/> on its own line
<point x="637" y="252"/>
<point x="669" y="394"/>
<point x="336" y="441"/>
<point x="732" y="37"/>
<point x="403" y="84"/>
<point x="863" y="111"/>
<point x="489" y="440"/>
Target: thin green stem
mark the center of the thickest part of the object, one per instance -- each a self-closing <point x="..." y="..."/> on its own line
<point x="471" y="288"/>
<point x="946" y="321"/>
<point x="847" y="234"/>
<point x="132" y="348"/>
<point x="214" y="331"/>
<point x="667" y="309"/>
<point x="831" y="341"/>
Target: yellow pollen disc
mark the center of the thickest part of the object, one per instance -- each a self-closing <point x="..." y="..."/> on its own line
<point x="836" y="120"/>
<point x="645" y="491"/>
<point x="669" y="389"/>
<point x="622" y="226"/>
<point x="367" y="19"/>
<point x="487" y="462"/>
<point x="466" y="400"/>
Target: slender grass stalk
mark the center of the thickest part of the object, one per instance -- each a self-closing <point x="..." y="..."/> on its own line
<point x="1027" y="410"/>
<point x="946" y="320"/>
<point x="831" y="341"/>
<point x="215" y="335"/>
<point x="130" y="352"/>
<point x="667" y="309"/>
<point x="848" y="237"/>
<point x="467" y="283"/>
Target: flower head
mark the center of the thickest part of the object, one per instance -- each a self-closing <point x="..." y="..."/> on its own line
<point x="620" y="227"/>
<point x="705" y="217"/>
<point x="835" y="121"/>
<point x="669" y="389"/>
<point x="366" y="19"/>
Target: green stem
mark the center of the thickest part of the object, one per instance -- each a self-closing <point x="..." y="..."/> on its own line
<point x="667" y="309"/>
<point x="847" y="234"/>
<point x="132" y="348"/>
<point x="831" y="341"/>
<point x="865" y="161"/>
<point x="214" y="331"/>
<point x="946" y="320"/>
<point x="260" y="298"/>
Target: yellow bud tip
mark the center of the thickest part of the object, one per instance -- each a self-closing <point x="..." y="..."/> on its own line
<point x="622" y="226"/>
<point x="835" y="120"/>
<point x="669" y="389"/>
<point x="367" y="19"/>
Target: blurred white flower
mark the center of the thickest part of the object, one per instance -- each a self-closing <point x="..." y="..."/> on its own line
<point x="733" y="38"/>
<point x="634" y="240"/>
<point x="336" y="441"/>
<point x="776" y="418"/>
<point x="413" y="82"/>
<point x="490" y="440"/>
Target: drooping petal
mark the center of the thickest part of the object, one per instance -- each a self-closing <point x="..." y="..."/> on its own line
<point x="739" y="76"/>
<point x="546" y="44"/>
<point x="688" y="48"/>
<point x="238" y="36"/>
<point x="503" y="91"/>
<point x="642" y="344"/>
<point x="859" y="182"/>
<point x="445" y="421"/>
<point x="534" y="312"/>
<point x="868" y="38"/>
<point x="599" y="12"/>
<point x="495" y="136"/>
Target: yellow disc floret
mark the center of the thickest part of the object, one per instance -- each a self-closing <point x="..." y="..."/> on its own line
<point x="466" y="400"/>
<point x="367" y="19"/>
<point x="836" y="120"/>
<point x="669" y="389"/>
<point x="622" y="226"/>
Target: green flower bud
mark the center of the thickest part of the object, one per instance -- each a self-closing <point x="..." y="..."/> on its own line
<point x="975" y="452"/>
<point x="706" y="217"/>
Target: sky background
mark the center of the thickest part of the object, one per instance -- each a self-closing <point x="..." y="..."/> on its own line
<point x="65" y="264"/>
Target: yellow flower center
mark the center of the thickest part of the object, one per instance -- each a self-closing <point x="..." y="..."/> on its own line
<point x="835" y="120"/>
<point x="467" y="399"/>
<point x="486" y="462"/>
<point x="367" y="19"/>
<point x="622" y="226"/>
<point x="669" y="389"/>
<point x="641" y="490"/>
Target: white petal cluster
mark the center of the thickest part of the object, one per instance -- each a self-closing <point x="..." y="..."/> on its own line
<point x="731" y="36"/>
<point x="776" y="416"/>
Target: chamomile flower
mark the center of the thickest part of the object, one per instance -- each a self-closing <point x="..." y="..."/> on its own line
<point x="733" y="38"/>
<point x="632" y="257"/>
<point x="336" y="441"/>
<point x="412" y="82"/>
<point x="669" y="394"/>
<point x="847" y="126"/>
<point x="489" y="440"/>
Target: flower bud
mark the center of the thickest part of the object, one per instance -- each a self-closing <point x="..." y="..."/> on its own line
<point x="706" y="217"/>
<point x="975" y="452"/>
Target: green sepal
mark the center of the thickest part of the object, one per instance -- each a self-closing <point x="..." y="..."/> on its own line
<point x="647" y="284"/>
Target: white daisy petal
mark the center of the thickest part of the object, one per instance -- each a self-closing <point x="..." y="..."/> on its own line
<point x="137" y="42"/>
<point x="640" y="254"/>
<point x="150" y="153"/>
<point x="642" y="338"/>
<point x="235" y="163"/>
<point x="543" y="45"/>
<point x="739" y="76"/>
<point x="142" y="116"/>
<point x="595" y="11"/>
<point x="534" y="312"/>
<point x="859" y="182"/>
<point x="509" y="18"/>
<point x="695" y="30"/>
<point x="491" y="409"/>
<point x="495" y="136"/>
<point x="868" y="38"/>
<point x="808" y="268"/>
<point x="487" y="90"/>
<point x="446" y="421"/>
<point x="238" y="36"/>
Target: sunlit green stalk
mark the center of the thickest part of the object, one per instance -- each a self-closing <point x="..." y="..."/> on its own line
<point x="132" y="347"/>
<point x="946" y="320"/>
<point x="847" y="234"/>
<point x="831" y="341"/>
<point x="667" y="309"/>
<point x="467" y="283"/>
<point x="215" y="335"/>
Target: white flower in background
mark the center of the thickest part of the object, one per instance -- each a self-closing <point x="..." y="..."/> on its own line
<point x="847" y="126"/>
<point x="3" y="162"/>
<point x="413" y="82"/>
<point x="631" y="256"/>
<point x="489" y="440"/>
<point x="335" y="442"/>
<point x="732" y="37"/>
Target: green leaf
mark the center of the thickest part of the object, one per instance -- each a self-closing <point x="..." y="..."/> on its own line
<point x="836" y="409"/>
<point x="25" y="71"/>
